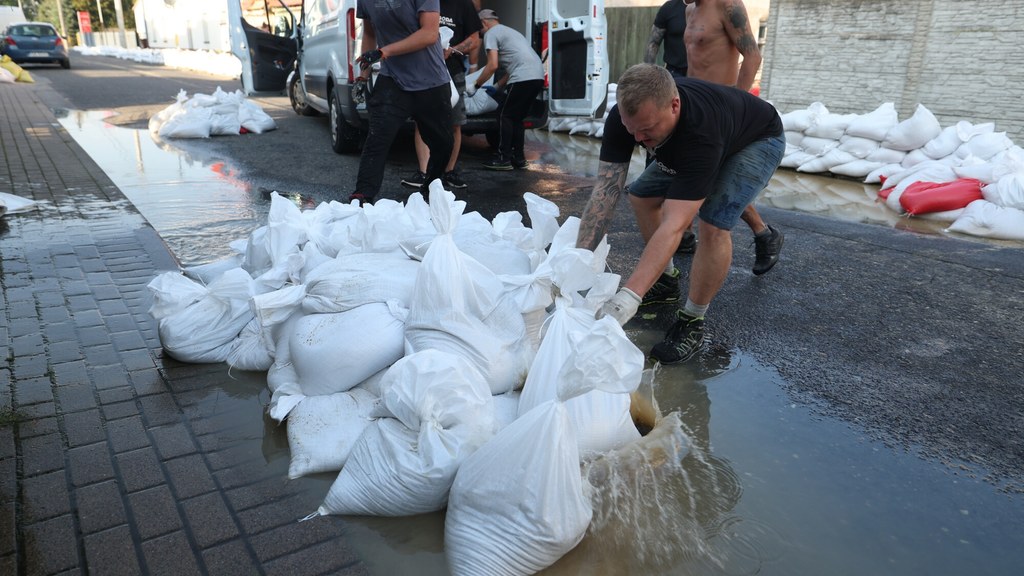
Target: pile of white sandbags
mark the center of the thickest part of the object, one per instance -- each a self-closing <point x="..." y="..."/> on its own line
<point x="428" y="357"/>
<point x="205" y="115"/>
<point x="966" y="174"/>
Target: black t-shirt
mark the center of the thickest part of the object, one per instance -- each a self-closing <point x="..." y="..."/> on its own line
<point x="715" y="122"/>
<point x="461" y="17"/>
<point x="672" y="18"/>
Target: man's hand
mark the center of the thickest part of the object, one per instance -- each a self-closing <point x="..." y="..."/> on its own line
<point x="622" y="306"/>
<point x="470" y="90"/>
<point x="369" y="58"/>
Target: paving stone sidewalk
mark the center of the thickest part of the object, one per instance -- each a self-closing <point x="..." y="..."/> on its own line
<point x="113" y="458"/>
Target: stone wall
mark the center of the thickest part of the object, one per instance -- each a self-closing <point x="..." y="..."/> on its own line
<point x="959" y="59"/>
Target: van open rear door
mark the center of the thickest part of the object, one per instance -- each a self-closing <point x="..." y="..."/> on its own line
<point x="577" y="57"/>
<point x="266" y="58"/>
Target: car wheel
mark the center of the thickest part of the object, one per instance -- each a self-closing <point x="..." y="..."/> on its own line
<point x="344" y="136"/>
<point x="65" y="64"/>
<point x="297" y="96"/>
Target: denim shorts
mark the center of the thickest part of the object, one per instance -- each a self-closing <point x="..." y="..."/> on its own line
<point x="742" y="177"/>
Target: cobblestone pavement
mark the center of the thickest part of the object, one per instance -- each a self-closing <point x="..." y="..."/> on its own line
<point x="113" y="458"/>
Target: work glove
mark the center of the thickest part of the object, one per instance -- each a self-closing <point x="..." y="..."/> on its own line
<point x="369" y="58"/>
<point x="622" y="306"/>
<point x="470" y="90"/>
<point x="491" y="91"/>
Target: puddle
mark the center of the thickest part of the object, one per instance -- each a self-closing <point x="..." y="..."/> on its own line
<point x="766" y="487"/>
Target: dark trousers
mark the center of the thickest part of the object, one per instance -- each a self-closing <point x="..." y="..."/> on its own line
<point x="519" y="96"/>
<point x="389" y="107"/>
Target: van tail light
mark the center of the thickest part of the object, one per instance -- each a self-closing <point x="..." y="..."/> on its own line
<point x="350" y="23"/>
<point x="544" y="51"/>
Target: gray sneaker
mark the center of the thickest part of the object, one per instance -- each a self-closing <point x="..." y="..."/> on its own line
<point x="682" y="341"/>
<point x="766" y="250"/>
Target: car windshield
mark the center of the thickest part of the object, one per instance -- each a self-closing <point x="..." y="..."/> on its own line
<point x="32" y="31"/>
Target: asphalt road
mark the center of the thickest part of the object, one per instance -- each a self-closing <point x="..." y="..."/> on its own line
<point x="917" y="338"/>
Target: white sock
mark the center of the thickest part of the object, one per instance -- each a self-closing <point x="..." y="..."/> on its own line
<point x="695" y="310"/>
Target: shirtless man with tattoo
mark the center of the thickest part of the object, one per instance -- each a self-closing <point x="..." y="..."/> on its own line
<point x="717" y="33"/>
<point x="715" y="148"/>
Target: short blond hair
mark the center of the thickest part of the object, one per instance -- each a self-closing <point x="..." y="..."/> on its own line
<point x="645" y="83"/>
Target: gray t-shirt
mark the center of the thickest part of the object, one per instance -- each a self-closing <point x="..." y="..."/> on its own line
<point x="515" y="54"/>
<point x="394" y="20"/>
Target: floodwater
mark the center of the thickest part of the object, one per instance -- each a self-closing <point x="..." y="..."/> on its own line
<point x="767" y="484"/>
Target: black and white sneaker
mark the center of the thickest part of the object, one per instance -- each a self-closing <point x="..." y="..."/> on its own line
<point x="415" y="181"/>
<point x="453" y="181"/>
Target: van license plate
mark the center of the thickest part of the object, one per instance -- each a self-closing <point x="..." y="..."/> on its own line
<point x="37" y="54"/>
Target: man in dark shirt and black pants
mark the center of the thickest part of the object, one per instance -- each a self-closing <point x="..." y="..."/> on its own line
<point x="715" y="149"/>
<point x="669" y="26"/>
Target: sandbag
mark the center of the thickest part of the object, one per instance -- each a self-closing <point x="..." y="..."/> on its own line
<point x="405" y="465"/>
<point x="352" y="280"/>
<point x="800" y="120"/>
<point x="1008" y="191"/>
<point x="858" y="146"/>
<point x="856" y="169"/>
<point x="925" y="197"/>
<point x="823" y="163"/>
<point x="944" y="144"/>
<point x="985" y="219"/>
<point x="323" y="429"/>
<point x="984" y="146"/>
<point x="914" y="132"/>
<point x="875" y="124"/>
<point x="831" y="126"/>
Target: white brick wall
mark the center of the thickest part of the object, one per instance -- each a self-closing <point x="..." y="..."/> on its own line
<point x="960" y="59"/>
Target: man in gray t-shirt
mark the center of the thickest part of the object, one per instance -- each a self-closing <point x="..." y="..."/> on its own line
<point x="403" y="36"/>
<point x="523" y="81"/>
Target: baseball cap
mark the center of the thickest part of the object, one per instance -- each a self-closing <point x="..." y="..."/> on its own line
<point x="488" y="14"/>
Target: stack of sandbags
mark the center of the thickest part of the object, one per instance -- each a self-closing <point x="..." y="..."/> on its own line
<point x="205" y="115"/>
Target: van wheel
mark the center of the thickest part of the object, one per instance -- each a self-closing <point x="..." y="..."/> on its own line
<point x="344" y="136"/>
<point x="297" y="96"/>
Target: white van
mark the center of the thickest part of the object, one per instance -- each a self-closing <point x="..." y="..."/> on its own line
<point x="568" y="34"/>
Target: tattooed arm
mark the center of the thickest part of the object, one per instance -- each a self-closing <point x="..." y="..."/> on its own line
<point x="737" y="26"/>
<point x="611" y="180"/>
<point x="653" y="44"/>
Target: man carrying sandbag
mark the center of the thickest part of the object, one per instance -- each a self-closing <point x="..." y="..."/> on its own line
<point x="715" y="149"/>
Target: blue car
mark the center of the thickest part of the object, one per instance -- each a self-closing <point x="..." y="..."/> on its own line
<point x="35" y="43"/>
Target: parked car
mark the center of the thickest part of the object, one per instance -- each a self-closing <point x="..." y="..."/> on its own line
<point x="35" y="43"/>
<point x="569" y="36"/>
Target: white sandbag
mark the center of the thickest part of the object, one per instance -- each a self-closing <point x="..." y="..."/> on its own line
<point x="13" y="204"/>
<point x="352" y="280"/>
<point x="831" y="126"/>
<point x="883" y="171"/>
<point x="577" y="346"/>
<point x="224" y="120"/>
<point x="914" y="132"/>
<point x="966" y="130"/>
<point x="1008" y="191"/>
<point x="251" y="350"/>
<point x="157" y="120"/>
<point x="826" y="161"/>
<point x="944" y="144"/>
<point x="6" y="77"/>
<point x="915" y="157"/>
<point x="254" y="119"/>
<point x="459" y="306"/>
<point x="858" y="146"/>
<point x="506" y="409"/>
<point x="985" y="219"/>
<point x="518" y="504"/>
<point x="796" y="159"/>
<point x="800" y="120"/>
<point x="405" y="465"/>
<point x="333" y="352"/>
<point x="976" y="168"/>
<point x="818" y="146"/>
<point x="323" y="429"/>
<point x="856" y="169"/>
<point x="886" y="155"/>
<point x="930" y="171"/>
<point x="984" y="146"/>
<point x="207" y="273"/>
<point x="793" y="138"/>
<point x="188" y="122"/>
<point x="875" y="124"/>
<point x="205" y="329"/>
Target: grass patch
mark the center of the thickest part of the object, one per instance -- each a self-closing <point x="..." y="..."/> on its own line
<point x="9" y="416"/>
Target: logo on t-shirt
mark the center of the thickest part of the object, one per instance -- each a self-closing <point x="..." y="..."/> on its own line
<point x="665" y="168"/>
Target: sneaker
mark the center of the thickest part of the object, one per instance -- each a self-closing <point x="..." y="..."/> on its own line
<point x="664" y="291"/>
<point x="688" y="243"/>
<point x="361" y="199"/>
<point x="452" y="180"/>
<point x="766" y="249"/>
<point x="682" y="341"/>
<point x="520" y="164"/>
<point x="498" y="164"/>
<point x="417" y="180"/>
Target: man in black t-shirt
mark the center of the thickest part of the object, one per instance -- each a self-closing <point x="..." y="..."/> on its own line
<point x="669" y="26"/>
<point x="715" y="148"/>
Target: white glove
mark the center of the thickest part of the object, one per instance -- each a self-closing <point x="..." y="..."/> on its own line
<point x="470" y="90"/>
<point x="622" y="306"/>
